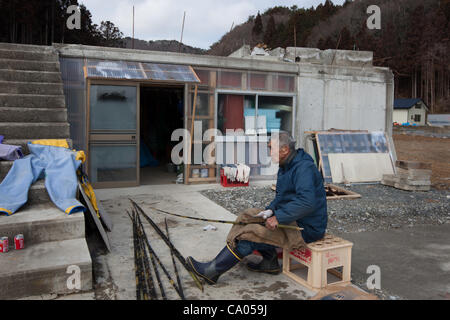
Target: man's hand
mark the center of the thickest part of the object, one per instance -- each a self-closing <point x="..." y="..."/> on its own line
<point x="265" y="214"/>
<point x="272" y="223"/>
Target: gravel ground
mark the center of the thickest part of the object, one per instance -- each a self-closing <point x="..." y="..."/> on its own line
<point x="380" y="207"/>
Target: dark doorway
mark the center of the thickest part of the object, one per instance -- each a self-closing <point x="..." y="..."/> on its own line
<point x="161" y="112"/>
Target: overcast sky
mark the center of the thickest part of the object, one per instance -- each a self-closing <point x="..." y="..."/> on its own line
<point x="206" y="20"/>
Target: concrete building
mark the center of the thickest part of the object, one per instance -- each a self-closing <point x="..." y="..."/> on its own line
<point x="412" y="111"/>
<point x="118" y="104"/>
<point x="322" y="90"/>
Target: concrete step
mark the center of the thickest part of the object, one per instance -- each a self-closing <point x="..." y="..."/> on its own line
<point x="25" y="47"/>
<point x="42" y="223"/>
<point x="32" y="115"/>
<point x="31" y="88"/>
<point x="43" y="269"/>
<point x="33" y="55"/>
<point x="29" y="65"/>
<point x="44" y="130"/>
<point x="32" y="101"/>
<point x="24" y="143"/>
<point x="30" y="76"/>
<point x="37" y="194"/>
<point x="5" y="166"/>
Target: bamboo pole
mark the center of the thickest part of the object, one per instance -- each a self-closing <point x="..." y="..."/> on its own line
<point x="170" y="245"/>
<point x="281" y="226"/>
<point x="143" y="236"/>
<point x="174" y="263"/>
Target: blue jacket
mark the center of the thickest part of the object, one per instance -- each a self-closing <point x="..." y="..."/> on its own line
<point x="301" y="196"/>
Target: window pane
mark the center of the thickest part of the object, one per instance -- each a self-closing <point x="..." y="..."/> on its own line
<point x="283" y="83"/>
<point x="230" y="79"/>
<point x="202" y="108"/>
<point x="113" y="107"/>
<point x="113" y="163"/>
<point x="277" y="112"/>
<point x="203" y="75"/>
<point x="257" y="81"/>
<point x="232" y="111"/>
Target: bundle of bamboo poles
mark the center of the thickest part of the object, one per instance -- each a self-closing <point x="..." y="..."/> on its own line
<point x="143" y="253"/>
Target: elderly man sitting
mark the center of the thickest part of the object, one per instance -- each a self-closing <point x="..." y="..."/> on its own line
<point x="300" y="199"/>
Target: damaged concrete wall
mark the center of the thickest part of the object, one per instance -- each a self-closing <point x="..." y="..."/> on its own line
<point x="342" y="98"/>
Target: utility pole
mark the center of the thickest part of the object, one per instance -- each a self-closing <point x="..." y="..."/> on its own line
<point x="182" y="31"/>
<point x="132" y="39"/>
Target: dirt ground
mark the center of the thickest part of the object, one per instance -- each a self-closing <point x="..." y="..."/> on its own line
<point x="427" y="149"/>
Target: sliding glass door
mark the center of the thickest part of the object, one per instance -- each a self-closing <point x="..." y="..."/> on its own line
<point x="113" y="134"/>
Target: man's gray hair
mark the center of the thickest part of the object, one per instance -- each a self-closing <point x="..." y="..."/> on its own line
<point x="285" y="139"/>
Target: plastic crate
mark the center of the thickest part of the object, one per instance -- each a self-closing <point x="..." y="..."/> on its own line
<point x="227" y="183"/>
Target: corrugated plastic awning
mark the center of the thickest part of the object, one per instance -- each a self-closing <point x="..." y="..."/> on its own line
<point x="106" y="69"/>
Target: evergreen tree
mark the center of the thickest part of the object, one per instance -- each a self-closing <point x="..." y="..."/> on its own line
<point x="258" y="25"/>
<point x="270" y="33"/>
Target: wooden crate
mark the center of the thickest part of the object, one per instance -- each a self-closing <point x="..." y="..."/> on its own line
<point x="320" y="258"/>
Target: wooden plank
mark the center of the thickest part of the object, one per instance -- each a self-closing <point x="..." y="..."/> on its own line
<point x="93" y="214"/>
<point x="348" y="194"/>
<point x="360" y="167"/>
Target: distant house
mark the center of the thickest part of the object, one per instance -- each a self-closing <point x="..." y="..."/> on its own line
<point x="413" y="111"/>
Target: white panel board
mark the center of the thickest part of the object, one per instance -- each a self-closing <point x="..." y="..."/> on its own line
<point x="359" y="167"/>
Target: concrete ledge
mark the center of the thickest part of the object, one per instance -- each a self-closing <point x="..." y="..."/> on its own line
<point x="92" y="52"/>
<point x="31" y="88"/>
<point x="30" y="76"/>
<point x="34" y="55"/>
<point x="32" y="100"/>
<point x="42" y="269"/>
<point x="33" y="114"/>
<point x="29" y="65"/>
<point x="41" y="223"/>
<point x="25" y="47"/>
<point x="50" y="130"/>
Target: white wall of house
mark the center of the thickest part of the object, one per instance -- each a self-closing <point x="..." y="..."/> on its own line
<point x="400" y="116"/>
<point x="419" y="113"/>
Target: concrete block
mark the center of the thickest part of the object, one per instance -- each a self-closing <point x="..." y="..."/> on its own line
<point x="29" y="76"/>
<point x="42" y="223"/>
<point x="43" y="269"/>
<point x="389" y="180"/>
<point x="33" y="114"/>
<point x="32" y="101"/>
<point x="47" y="130"/>
<point x="31" y="88"/>
<point x="29" y="65"/>
<point x="33" y="55"/>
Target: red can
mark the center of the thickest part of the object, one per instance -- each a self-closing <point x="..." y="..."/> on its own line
<point x="4" y="244"/>
<point x="19" y="242"/>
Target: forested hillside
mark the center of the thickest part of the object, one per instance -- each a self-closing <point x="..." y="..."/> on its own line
<point x="413" y="40"/>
